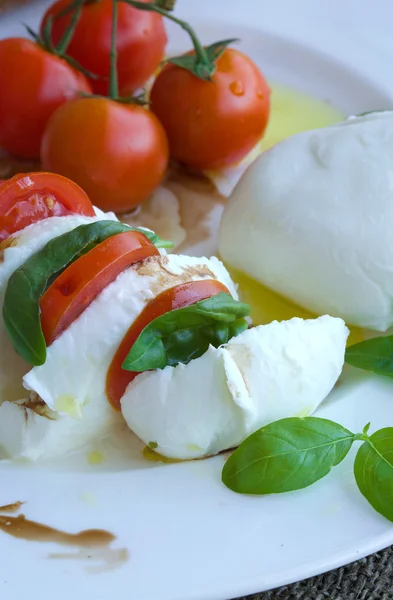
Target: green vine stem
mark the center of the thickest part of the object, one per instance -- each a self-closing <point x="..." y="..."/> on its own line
<point x="155" y="7"/>
<point x="113" y="78"/>
<point x="69" y="32"/>
<point x="166" y="4"/>
<point x="202" y="64"/>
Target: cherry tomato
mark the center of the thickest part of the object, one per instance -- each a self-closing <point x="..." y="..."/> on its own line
<point x="33" y="84"/>
<point x="212" y="124"/>
<point x="77" y="286"/>
<point x="178" y="296"/>
<point x="141" y="41"/>
<point x="118" y="153"/>
<point x="31" y="197"/>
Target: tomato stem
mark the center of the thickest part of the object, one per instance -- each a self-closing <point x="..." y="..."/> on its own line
<point x="69" y="32"/>
<point x="166" y="4"/>
<point x="199" y="49"/>
<point x="113" y="80"/>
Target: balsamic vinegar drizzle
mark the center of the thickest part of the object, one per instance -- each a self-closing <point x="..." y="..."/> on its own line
<point x="96" y="542"/>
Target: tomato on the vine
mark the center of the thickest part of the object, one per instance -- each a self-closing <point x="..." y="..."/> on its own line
<point x="212" y="124"/>
<point x="33" y="84"/>
<point x="118" y="153"/>
<point x="141" y="41"/>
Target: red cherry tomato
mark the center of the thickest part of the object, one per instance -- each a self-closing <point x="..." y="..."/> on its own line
<point x="33" y="84"/>
<point x="77" y="286"/>
<point x="178" y="296"/>
<point x="118" y="153"/>
<point x="141" y="41"/>
<point x="212" y="124"/>
<point x="31" y="197"/>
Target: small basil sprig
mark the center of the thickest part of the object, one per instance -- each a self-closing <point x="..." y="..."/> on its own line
<point x="291" y="454"/>
<point x="21" y="310"/>
<point x="186" y="333"/>
<point x="374" y="471"/>
<point x="374" y="355"/>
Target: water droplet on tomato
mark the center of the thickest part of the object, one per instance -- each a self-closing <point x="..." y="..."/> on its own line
<point x="260" y="94"/>
<point x="237" y="88"/>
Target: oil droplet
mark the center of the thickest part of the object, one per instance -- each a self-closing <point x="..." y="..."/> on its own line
<point x="267" y="306"/>
<point x="153" y="456"/>
<point x="237" y="88"/>
<point x="95" y="458"/>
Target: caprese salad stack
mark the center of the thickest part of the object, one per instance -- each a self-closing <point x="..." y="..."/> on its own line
<point x="101" y="325"/>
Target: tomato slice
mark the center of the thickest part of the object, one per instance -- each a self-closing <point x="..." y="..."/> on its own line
<point x="77" y="286"/>
<point x="30" y="197"/>
<point x="178" y="296"/>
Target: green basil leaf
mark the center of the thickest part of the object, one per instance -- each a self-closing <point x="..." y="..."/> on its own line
<point x="289" y="454"/>
<point x="374" y="471"/>
<point x="372" y="355"/>
<point x="21" y="311"/>
<point x="186" y="333"/>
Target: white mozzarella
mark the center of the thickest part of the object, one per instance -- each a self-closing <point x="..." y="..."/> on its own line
<point x="17" y="250"/>
<point x="33" y="431"/>
<point x="77" y="362"/>
<point x="266" y="373"/>
<point x="312" y="219"/>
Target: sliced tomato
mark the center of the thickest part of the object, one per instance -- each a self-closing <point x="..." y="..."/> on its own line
<point x="30" y="197"/>
<point x="178" y="296"/>
<point x="77" y="286"/>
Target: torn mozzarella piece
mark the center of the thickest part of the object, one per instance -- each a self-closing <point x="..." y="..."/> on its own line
<point x="266" y="373"/>
<point x="74" y="373"/>
<point x="312" y="219"/>
<point x="30" y="430"/>
<point x="15" y="250"/>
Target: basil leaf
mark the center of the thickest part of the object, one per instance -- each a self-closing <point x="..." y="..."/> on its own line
<point x="21" y="310"/>
<point x="289" y="454"/>
<point x="372" y="355"/>
<point x="186" y="333"/>
<point x="374" y="471"/>
<point x="153" y="237"/>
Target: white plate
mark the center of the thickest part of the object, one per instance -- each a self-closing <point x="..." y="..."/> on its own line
<point x="188" y="537"/>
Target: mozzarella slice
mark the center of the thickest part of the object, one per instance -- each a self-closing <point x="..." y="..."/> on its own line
<point x="266" y="373"/>
<point x="13" y="253"/>
<point x="77" y="362"/>
<point x="312" y="219"/>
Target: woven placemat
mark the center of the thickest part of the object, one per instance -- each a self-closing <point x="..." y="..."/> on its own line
<point x="368" y="579"/>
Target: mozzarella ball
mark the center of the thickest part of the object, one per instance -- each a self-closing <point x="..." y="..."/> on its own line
<point x="266" y="373"/>
<point x="312" y="219"/>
